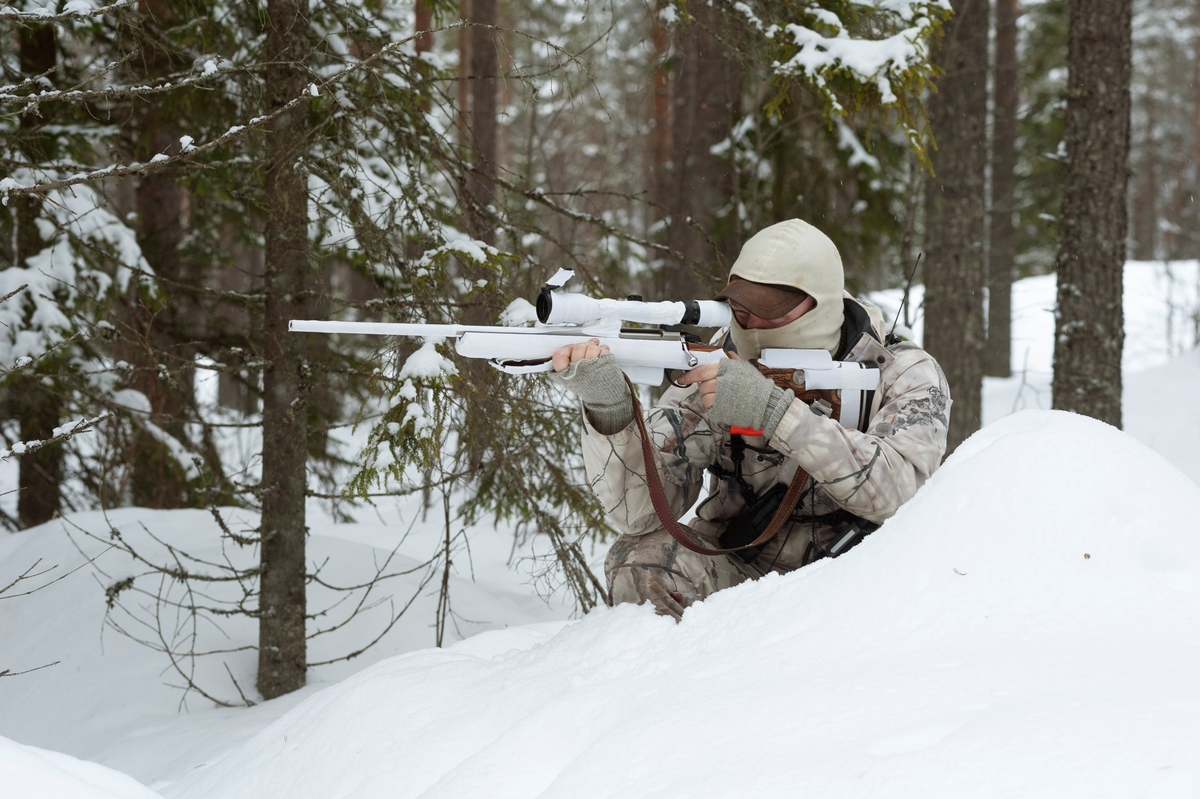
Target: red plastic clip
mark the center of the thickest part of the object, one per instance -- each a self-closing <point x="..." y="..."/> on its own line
<point x="745" y="431"/>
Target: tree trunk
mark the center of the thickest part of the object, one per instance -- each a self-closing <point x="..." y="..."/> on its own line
<point x="1089" y="327"/>
<point x="35" y="404"/>
<point x="281" y="635"/>
<point x="159" y="342"/>
<point x="1144" y="220"/>
<point x="659" y="144"/>
<point x="38" y="409"/>
<point x="481" y="69"/>
<point x="484" y="68"/>
<point x="164" y="335"/>
<point x="1196" y="165"/>
<point x="997" y="359"/>
<point x="954" y="213"/>
<point x="424" y="42"/>
<point x="706" y="102"/>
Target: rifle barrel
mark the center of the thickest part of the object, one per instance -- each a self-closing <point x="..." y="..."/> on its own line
<point x="403" y="329"/>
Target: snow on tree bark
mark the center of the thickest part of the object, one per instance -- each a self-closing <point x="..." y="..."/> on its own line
<point x="1089" y="323"/>
<point x="954" y="209"/>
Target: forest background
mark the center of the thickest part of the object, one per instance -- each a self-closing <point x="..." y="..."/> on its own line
<point x="181" y="178"/>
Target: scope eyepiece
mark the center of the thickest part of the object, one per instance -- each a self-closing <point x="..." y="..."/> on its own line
<point x="545" y="302"/>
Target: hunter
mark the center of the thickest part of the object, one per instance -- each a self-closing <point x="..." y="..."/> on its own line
<point x="786" y="290"/>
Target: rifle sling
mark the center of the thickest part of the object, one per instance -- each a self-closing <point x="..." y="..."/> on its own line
<point x="663" y="508"/>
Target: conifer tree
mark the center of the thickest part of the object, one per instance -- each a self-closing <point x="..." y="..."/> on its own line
<point x="998" y="356"/>
<point x="954" y="213"/>
<point x="1089" y="322"/>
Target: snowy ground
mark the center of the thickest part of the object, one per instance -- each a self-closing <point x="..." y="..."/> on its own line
<point x="968" y="649"/>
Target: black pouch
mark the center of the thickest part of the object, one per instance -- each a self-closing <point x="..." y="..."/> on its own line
<point x="750" y="523"/>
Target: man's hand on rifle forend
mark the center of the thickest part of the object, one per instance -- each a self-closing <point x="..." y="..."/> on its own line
<point x="591" y="373"/>
<point x="738" y="395"/>
<point x="574" y="353"/>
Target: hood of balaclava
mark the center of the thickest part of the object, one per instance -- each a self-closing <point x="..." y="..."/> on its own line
<point x="797" y="255"/>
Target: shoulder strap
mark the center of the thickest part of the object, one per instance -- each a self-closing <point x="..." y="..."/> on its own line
<point x="663" y="508"/>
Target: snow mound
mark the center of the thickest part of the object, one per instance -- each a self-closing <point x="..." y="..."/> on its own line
<point x="32" y="772"/>
<point x="1028" y="625"/>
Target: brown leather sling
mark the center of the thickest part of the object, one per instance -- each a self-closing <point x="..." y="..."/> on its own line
<point x="784" y="378"/>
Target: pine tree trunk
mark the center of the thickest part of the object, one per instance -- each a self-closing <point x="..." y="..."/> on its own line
<point x="158" y="480"/>
<point x="424" y="22"/>
<point x="954" y="213"/>
<point x="36" y="405"/>
<point x="481" y="72"/>
<point x="1195" y="249"/>
<point x="160" y="342"/>
<point x="1144" y="221"/>
<point x="38" y="409"/>
<point x="484" y="66"/>
<point x="1089" y="327"/>
<point x="706" y="94"/>
<point x="997" y="359"/>
<point x="659" y="143"/>
<point x="281" y="645"/>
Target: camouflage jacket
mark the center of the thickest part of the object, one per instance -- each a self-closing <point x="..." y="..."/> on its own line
<point x="869" y="475"/>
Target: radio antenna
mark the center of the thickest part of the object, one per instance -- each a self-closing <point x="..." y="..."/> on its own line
<point x="892" y="339"/>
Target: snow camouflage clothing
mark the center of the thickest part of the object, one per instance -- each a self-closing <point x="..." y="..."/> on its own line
<point x="858" y="480"/>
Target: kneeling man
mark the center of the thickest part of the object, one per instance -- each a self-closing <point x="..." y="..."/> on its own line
<point x="786" y="291"/>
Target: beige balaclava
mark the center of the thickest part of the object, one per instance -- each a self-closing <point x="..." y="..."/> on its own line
<point x="797" y="255"/>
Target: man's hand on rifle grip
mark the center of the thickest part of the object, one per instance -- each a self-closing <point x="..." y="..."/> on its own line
<point x="706" y="376"/>
<point x="739" y="397"/>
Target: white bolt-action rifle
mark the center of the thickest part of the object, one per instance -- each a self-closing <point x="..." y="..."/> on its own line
<point x="644" y="354"/>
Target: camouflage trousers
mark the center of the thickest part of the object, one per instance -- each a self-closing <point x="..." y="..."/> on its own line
<point x="655" y="568"/>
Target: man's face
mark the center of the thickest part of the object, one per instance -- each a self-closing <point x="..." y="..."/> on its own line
<point x="749" y="321"/>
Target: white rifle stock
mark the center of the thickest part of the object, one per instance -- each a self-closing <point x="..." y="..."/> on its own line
<point x="645" y="354"/>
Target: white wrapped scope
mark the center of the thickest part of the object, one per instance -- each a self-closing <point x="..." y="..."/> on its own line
<point x="563" y="308"/>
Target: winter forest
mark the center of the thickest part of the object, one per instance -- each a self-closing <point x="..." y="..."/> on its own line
<point x="242" y="561"/>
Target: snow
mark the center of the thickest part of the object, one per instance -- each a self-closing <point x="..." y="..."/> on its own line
<point x="519" y="313"/>
<point x="847" y="140"/>
<point x="1027" y="625"/>
<point x="110" y="700"/>
<point x="32" y="772"/>
<point x="427" y="362"/>
<point x="1019" y="628"/>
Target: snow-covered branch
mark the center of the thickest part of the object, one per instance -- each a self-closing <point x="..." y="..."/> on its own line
<point x="210" y="69"/>
<point x="75" y="10"/>
<point x="61" y="433"/>
<point x="851" y="55"/>
<point x="187" y="149"/>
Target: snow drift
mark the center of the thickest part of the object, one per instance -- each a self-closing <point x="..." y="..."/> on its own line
<point x="1027" y="625"/>
<point x="32" y="772"/>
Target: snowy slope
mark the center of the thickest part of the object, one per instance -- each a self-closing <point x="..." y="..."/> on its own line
<point x="1028" y="625"/>
<point x="112" y="700"/>
<point x="109" y="701"/>
<point x="30" y="772"/>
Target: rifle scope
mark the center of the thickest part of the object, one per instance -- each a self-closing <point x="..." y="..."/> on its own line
<point x="563" y="308"/>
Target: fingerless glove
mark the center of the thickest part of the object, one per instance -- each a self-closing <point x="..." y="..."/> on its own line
<point x="747" y="399"/>
<point x="601" y="385"/>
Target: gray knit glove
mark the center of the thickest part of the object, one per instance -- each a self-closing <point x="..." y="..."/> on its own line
<point x="747" y="399"/>
<point x="601" y="385"/>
